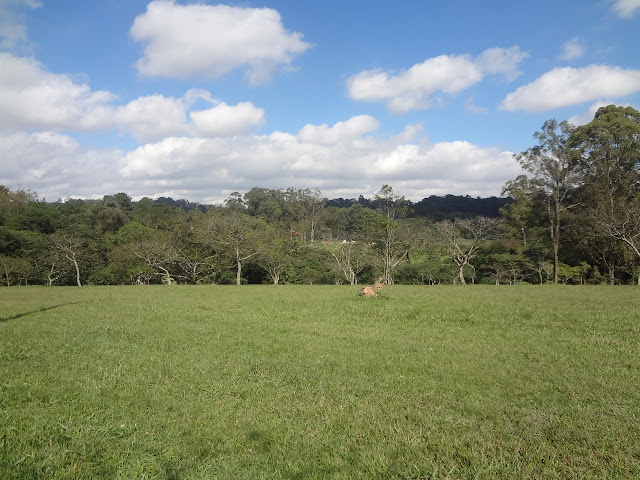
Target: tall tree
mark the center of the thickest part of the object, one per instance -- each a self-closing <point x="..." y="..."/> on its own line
<point x="553" y="176"/>
<point x="237" y="234"/>
<point x="311" y="203"/>
<point x="390" y="239"/>
<point x="608" y="153"/>
<point x="236" y="202"/>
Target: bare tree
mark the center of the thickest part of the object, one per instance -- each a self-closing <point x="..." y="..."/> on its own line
<point x="621" y="221"/>
<point x="159" y="255"/>
<point x="70" y="247"/>
<point x="542" y="267"/>
<point x="465" y="236"/>
<point x="197" y="266"/>
<point x="350" y="261"/>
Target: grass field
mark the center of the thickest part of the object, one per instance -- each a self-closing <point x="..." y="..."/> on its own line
<point x="300" y="382"/>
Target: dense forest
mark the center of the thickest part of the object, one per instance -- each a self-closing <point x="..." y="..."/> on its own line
<point x="573" y="218"/>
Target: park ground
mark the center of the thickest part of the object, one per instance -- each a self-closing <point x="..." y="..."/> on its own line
<point x="262" y="382"/>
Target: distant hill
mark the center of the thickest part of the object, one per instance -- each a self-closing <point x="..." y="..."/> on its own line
<point x="186" y="205"/>
<point x="455" y="206"/>
<point x="434" y="208"/>
<point x="437" y="208"/>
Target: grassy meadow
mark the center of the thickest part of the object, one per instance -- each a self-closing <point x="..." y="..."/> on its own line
<point x="304" y="382"/>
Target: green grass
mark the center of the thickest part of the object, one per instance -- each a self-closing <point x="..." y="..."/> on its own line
<point x="303" y="382"/>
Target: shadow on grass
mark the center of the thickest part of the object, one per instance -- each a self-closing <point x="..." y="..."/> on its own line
<point x="41" y="309"/>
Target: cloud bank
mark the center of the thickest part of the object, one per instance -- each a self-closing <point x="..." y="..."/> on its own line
<point x="344" y="159"/>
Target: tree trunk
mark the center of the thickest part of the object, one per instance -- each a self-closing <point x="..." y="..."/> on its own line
<point x="77" y="273"/>
<point x="238" y="266"/>
<point x="166" y="275"/>
<point x="554" y="231"/>
<point x="461" y="275"/>
<point x="555" y="263"/>
<point x="75" y="264"/>
<point x="387" y="260"/>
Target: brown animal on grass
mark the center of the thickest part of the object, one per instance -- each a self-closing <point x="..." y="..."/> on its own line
<point x="372" y="291"/>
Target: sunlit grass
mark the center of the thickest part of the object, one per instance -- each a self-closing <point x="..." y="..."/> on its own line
<point x="317" y="382"/>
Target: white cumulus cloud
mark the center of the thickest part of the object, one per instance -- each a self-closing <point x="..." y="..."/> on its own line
<point x="204" y="40"/>
<point x="565" y="86"/>
<point x="153" y="117"/>
<point x="414" y="88"/>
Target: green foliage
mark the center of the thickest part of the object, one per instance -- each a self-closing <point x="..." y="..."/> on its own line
<point x="312" y="265"/>
<point x="581" y="196"/>
<point x="607" y="150"/>
<point x="132" y="232"/>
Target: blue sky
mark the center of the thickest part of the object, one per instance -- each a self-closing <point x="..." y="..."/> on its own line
<point x="197" y="100"/>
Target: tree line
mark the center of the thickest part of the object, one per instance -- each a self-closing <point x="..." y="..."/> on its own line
<point x="573" y="218"/>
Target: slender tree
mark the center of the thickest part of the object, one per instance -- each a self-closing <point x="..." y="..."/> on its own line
<point x="553" y="176"/>
<point x="70" y="247"/>
<point x="390" y="239"/>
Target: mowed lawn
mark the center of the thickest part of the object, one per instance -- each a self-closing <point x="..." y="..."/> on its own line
<point x="297" y="382"/>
